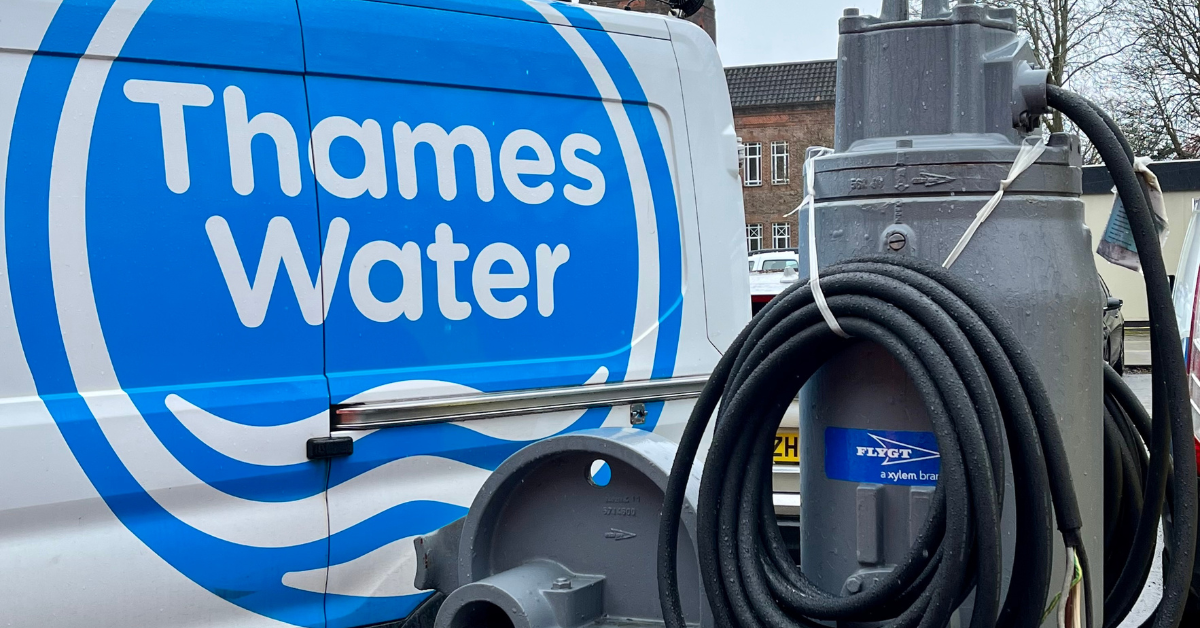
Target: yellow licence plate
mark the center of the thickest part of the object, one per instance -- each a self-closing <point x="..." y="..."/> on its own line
<point x="787" y="447"/>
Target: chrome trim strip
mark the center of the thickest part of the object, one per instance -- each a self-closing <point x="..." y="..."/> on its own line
<point x="495" y="405"/>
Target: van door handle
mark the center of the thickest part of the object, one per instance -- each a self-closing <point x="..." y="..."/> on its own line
<point x="330" y="447"/>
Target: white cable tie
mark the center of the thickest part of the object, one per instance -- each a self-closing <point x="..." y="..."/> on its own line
<point x="1028" y="154"/>
<point x="814" y="275"/>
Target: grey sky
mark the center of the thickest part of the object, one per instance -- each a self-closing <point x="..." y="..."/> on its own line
<point x="750" y="32"/>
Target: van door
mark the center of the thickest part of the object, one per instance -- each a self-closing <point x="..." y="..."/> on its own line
<point x="513" y="244"/>
<point x="161" y="361"/>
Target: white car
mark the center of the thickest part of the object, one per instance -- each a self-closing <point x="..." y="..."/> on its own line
<point x="770" y="273"/>
<point x="773" y="260"/>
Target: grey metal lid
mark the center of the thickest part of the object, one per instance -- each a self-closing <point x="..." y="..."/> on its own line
<point x="895" y="14"/>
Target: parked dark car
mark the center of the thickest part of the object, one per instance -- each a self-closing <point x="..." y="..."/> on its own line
<point x="1114" y="330"/>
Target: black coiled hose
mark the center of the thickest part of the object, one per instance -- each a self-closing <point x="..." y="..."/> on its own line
<point x="1126" y="469"/>
<point x="978" y="386"/>
<point x="1170" y="444"/>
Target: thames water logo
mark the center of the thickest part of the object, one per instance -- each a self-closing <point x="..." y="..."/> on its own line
<point x="251" y="299"/>
<point x="188" y="250"/>
<point x="881" y="457"/>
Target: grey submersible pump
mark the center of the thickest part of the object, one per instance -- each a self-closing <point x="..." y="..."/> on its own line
<point x="957" y="420"/>
<point x="968" y="459"/>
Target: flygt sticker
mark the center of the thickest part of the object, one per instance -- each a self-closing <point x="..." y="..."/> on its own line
<point x="881" y="457"/>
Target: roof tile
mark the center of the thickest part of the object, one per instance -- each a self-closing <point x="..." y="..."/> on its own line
<point x="782" y="84"/>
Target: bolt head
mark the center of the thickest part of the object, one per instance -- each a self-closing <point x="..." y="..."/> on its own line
<point x="561" y="584"/>
<point x="854" y="585"/>
<point x="897" y="241"/>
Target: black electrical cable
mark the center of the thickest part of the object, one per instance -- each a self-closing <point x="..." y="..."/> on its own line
<point x="975" y="379"/>
<point x="687" y="8"/>
<point x="1126" y="465"/>
<point x="1171" y="453"/>
<point x="979" y="387"/>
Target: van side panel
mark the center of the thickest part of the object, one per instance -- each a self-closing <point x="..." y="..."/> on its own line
<point x="160" y="242"/>
<point x="658" y="79"/>
<point x="215" y="224"/>
<point x="512" y="190"/>
<point x="719" y="207"/>
<point x="399" y="316"/>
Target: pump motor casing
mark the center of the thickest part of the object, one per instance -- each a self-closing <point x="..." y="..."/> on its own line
<point x="930" y="116"/>
<point x="547" y="546"/>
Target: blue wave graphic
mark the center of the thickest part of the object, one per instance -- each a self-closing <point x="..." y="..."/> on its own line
<point x="233" y="477"/>
<point x="251" y="577"/>
<point x="444" y="440"/>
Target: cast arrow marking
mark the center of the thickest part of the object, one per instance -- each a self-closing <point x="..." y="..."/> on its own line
<point x="618" y="535"/>
<point x="929" y="179"/>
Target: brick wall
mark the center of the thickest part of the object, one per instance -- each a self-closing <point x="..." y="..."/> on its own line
<point x="800" y="127"/>
<point x="706" y="17"/>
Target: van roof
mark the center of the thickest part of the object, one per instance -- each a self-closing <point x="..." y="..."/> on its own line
<point x="610" y="20"/>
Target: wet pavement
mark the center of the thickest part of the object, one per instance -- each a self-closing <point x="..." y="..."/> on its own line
<point x="1140" y="383"/>
<point x="1137" y="346"/>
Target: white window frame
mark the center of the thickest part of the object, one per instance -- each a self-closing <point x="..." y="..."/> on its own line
<point x="779" y="163"/>
<point x="754" y="237"/>
<point x="752" y="165"/>
<point x="781" y="235"/>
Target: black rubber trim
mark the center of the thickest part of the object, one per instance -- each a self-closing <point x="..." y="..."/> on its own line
<point x="1173" y="176"/>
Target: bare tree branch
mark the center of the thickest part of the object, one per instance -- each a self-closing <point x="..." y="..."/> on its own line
<point x="1141" y="58"/>
<point x="1088" y="65"/>
<point x="1069" y="38"/>
<point x="1163" y="73"/>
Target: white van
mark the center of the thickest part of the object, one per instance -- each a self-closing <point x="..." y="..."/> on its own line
<point x="282" y="281"/>
<point x="1186" y="296"/>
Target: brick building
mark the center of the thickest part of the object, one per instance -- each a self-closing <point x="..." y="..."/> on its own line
<point x="706" y="17"/>
<point x="779" y="111"/>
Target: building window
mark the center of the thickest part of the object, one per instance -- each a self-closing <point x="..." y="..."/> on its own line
<point x="781" y="235"/>
<point x="779" y="163"/>
<point x="752" y="165"/>
<point x="754" y="237"/>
